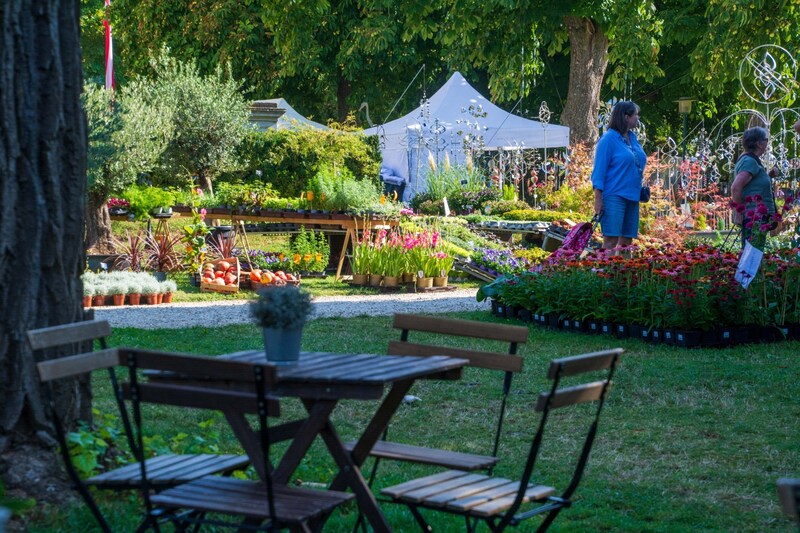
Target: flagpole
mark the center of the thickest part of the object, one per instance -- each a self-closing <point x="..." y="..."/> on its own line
<point x="110" y="82"/>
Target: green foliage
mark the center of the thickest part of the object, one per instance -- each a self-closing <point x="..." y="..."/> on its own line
<point x="16" y="505"/>
<point x="98" y="447"/>
<point x="144" y="198"/>
<point x="125" y="138"/>
<point x="310" y="250"/>
<point x="541" y="215"/>
<point x="284" y="307"/>
<point x="289" y="159"/>
<point x="504" y="206"/>
<point x="208" y="117"/>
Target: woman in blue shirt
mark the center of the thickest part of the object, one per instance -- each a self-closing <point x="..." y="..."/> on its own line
<point x="617" y="177"/>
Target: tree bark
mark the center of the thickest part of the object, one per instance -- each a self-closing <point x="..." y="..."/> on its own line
<point x="343" y="91"/>
<point x="42" y="201"/>
<point x="98" y="224"/>
<point x="588" y="58"/>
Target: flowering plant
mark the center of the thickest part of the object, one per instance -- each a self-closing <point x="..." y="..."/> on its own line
<point x="443" y="263"/>
<point x="421" y="252"/>
<point x="118" y="203"/>
<point x="362" y="250"/>
<point x="395" y="262"/>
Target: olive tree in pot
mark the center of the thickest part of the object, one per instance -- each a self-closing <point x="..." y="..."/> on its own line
<point x="282" y="312"/>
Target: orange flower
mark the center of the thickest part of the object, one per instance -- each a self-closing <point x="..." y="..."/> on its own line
<point x="296" y="258"/>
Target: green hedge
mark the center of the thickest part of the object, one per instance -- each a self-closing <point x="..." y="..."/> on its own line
<point x="543" y="216"/>
<point x="289" y="159"/>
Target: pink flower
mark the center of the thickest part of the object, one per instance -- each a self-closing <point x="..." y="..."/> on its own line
<point x="761" y="209"/>
<point x="203" y="214"/>
<point x="757" y="198"/>
<point x="199" y="192"/>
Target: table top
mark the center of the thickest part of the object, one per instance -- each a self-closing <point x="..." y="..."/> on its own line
<point x="347" y="375"/>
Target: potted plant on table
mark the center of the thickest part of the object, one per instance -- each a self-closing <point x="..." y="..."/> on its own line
<point x="282" y="312"/>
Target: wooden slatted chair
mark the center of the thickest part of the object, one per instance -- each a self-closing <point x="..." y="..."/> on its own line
<point x="508" y="363"/>
<point x="256" y="501"/>
<point x="789" y="494"/>
<point x="166" y="470"/>
<point x="497" y="501"/>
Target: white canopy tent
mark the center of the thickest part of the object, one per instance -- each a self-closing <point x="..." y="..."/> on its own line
<point x="291" y="119"/>
<point x="455" y="113"/>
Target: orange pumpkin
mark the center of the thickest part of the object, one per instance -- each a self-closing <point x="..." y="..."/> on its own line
<point x="255" y="275"/>
<point x="223" y="265"/>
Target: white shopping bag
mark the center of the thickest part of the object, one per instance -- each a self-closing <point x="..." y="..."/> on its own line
<point x="749" y="262"/>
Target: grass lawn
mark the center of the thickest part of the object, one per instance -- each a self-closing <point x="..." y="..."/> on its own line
<point x="690" y="440"/>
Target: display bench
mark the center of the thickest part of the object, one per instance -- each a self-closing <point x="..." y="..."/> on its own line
<point x="350" y="225"/>
<point x="328" y="223"/>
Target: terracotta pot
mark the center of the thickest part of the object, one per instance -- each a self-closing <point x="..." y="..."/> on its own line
<point x="118" y="299"/>
<point x="87" y="301"/>
<point x="134" y="298"/>
<point x="99" y="300"/>
<point x="167" y="298"/>
<point x="359" y="279"/>
<point x="424" y="283"/>
<point x="440" y="281"/>
<point x="159" y="297"/>
<point x="375" y="280"/>
<point x="391" y="281"/>
<point x="151" y="299"/>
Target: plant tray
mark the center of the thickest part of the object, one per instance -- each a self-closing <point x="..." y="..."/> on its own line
<point x="258" y="286"/>
<point x="226" y="289"/>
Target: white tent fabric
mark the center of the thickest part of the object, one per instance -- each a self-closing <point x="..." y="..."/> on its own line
<point x="455" y="111"/>
<point x="291" y="119"/>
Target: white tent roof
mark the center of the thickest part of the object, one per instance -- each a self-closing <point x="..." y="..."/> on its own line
<point x="499" y="128"/>
<point x="291" y="119"/>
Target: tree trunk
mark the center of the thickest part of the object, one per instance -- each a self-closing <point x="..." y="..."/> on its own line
<point x="98" y="224"/>
<point x="42" y="199"/>
<point x="204" y="180"/>
<point x="343" y="91"/>
<point x="588" y="58"/>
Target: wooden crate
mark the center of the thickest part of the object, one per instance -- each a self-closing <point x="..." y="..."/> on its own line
<point x="226" y="289"/>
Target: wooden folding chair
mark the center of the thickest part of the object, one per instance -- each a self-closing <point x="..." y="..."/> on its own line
<point x="508" y="363"/>
<point x="255" y="501"/>
<point x="498" y="501"/>
<point x="166" y="470"/>
<point x="789" y="494"/>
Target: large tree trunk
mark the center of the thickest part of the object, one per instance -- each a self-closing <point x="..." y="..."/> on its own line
<point x="98" y="224"/>
<point x="42" y="197"/>
<point x="588" y="58"/>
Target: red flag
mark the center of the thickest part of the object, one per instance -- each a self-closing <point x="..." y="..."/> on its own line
<point x="110" y="82"/>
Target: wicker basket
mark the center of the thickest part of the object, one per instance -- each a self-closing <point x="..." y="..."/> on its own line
<point x="227" y="289"/>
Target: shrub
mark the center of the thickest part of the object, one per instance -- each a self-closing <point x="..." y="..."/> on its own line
<point x="542" y="215"/>
<point x="289" y="159"/>
<point x="498" y="207"/>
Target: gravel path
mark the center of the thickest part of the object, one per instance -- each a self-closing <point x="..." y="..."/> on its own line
<point x="175" y="316"/>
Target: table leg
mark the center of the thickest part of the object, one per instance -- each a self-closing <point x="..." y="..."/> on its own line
<point x="342" y="254"/>
<point x="350" y="476"/>
<point x="318" y="417"/>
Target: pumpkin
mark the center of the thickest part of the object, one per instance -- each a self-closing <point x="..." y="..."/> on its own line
<point x="255" y="275"/>
<point x="223" y="265"/>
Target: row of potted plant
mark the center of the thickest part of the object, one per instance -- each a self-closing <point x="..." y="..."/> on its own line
<point x="119" y="288"/>
<point x="393" y="257"/>
<point x="693" y="293"/>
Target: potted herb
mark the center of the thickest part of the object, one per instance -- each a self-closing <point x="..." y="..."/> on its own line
<point x="88" y="293"/>
<point x="134" y="291"/>
<point x="168" y="287"/>
<point x="282" y="312"/>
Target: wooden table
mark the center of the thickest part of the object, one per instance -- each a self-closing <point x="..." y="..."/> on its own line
<point x="320" y="380"/>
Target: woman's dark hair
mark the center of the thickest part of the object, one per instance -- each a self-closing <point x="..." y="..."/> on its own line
<point x="621" y="109"/>
<point x="752" y="137"/>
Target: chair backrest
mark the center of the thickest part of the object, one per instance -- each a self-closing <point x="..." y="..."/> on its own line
<point x="506" y="361"/>
<point x="557" y="397"/>
<point x="789" y="494"/>
<point x="77" y="340"/>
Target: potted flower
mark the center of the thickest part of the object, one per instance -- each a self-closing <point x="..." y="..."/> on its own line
<point x="117" y="290"/>
<point x="282" y="312"/>
<point x="150" y="291"/>
<point x="88" y="293"/>
<point x="168" y="287"/>
<point x="134" y="291"/>
<point x="100" y="292"/>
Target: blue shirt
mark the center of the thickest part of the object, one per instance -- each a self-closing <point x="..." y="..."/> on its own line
<point x="618" y="167"/>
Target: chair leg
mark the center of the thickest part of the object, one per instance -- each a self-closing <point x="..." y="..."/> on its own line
<point x="548" y="520"/>
<point x="419" y="518"/>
